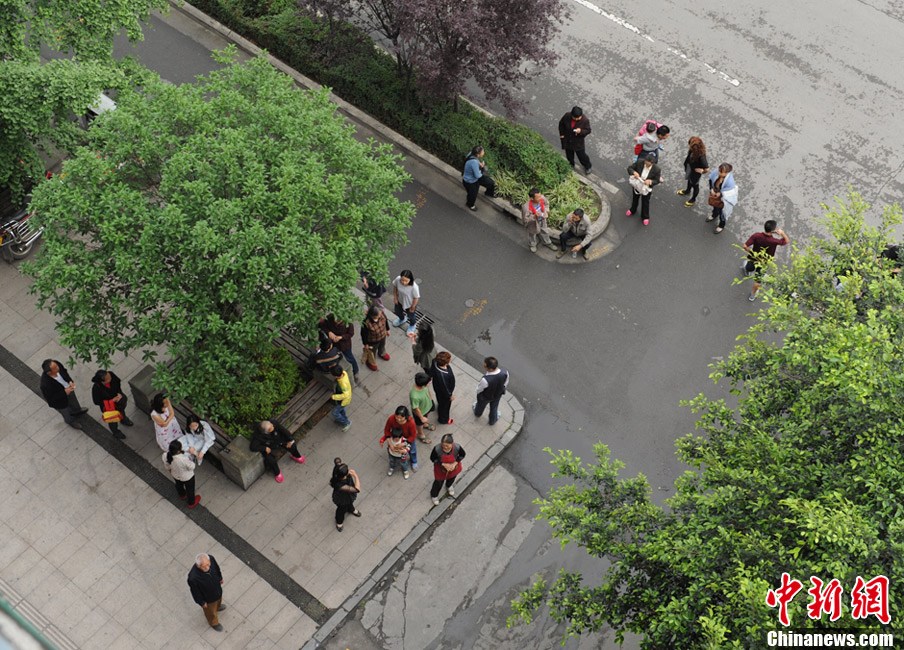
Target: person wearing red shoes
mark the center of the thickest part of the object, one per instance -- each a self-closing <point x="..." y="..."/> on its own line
<point x="443" y="386"/>
<point x="269" y="437"/>
<point x="182" y="468"/>
<point x="374" y="332"/>
<point x="643" y="176"/>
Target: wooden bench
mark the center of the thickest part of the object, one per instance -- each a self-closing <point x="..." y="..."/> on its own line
<point x="231" y="456"/>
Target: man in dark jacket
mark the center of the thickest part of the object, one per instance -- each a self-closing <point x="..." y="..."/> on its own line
<point x="573" y="128"/>
<point x="491" y="388"/>
<point x="326" y="357"/>
<point x="269" y="437"/>
<point x="107" y="391"/>
<point x="58" y="389"/>
<point x="206" y="584"/>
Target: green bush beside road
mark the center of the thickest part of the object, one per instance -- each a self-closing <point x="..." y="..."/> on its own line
<point x="345" y="58"/>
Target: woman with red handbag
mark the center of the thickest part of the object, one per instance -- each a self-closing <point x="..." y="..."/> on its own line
<point x="446" y="457"/>
<point x="107" y="394"/>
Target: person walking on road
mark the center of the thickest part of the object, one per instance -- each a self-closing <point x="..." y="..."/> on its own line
<point x="421" y="405"/>
<point x="198" y="436"/>
<point x="573" y="128"/>
<point x="206" y="583"/>
<point x="723" y="195"/>
<point x="695" y="165"/>
<point x="374" y="332"/>
<point x="576" y="227"/>
<point x="491" y="388"/>
<point x="342" y="397"/>
<point x="346" y="487"/>
<point x="166" y="427"/>
<point x="643" y="176"/>
<point x="270" y="436"/>
<point x="474" y="175"/>
<point x="446" y="457"/>
<point x="405" y="295"/>
<point x="402" y="420"/>
<point x="443" y="386"/>
<point x="182" y="468"/>
<point x="423" y="348"/>
<point x="342" y="336"/>
<point x="58" y="389"/>
<point x="106" y="392"/>
<point x="760" y="247"/>
<point x="535" y="215"/>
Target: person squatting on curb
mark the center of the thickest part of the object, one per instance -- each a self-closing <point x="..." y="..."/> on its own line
<point x="576" y="226"/>
<point x="474" y="175"/>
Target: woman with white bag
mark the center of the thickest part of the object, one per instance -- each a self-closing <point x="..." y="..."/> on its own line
<point x="643" y="176"/>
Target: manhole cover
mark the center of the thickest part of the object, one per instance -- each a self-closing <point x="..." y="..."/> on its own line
<point x="470" y="302"/>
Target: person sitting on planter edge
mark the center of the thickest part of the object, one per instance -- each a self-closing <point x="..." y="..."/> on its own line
<point x="269" y="436"/>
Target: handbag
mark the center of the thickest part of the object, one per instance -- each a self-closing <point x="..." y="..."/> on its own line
<point x="369" y="358"/>
<point x="715" y="201"/>
<point x="110" y="412"/>
<point x="639" y="186"/>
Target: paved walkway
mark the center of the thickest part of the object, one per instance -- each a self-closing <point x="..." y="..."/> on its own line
<point x="99" y="546"/>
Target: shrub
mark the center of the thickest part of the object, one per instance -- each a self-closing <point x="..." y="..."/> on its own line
<point x="277" y="380"/>
<point x="344" y="58"/>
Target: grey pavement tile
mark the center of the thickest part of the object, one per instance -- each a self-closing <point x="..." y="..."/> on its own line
<point x="47" y="469"/>
<point x="191" y="637"/>
<point x="46" y="531"/>
<point x="22" y="460"/>
<point x="235" y="586"/>
<point x="269" y="606"/>
<point x="370" y="558"/>
<point x="262" y="642"/>
<point x="339" y="589"/>
<point x="288" y="616"/>
<point x="104" y="585"/>
<point x="21" y="566"/>
<point x="105" y="636"/>
<point x="239" y="508"/>
<point x="125" y="603"/>
<point x="126" y="641"/>
<point x="25" y="341"/>
<point x="251" y="599"/>
<point x="285" y="547"/>
<point x="324" y="579"/>
<point x="10" y="320"/>
<point x="155" y="628"/>
<point x="26" y="409"/>
<point x="42" y="427"/>
<point x="54" y="604"/>
<point x="10" y="549"/>
<point x="85" y="565"/>
<point x="89" y="625"/>
<point x="304" y="563"/>
<point x="76" y="609"/>
<point x="350" y="548"/>
<point x="299" y="634"/>
<point x="184" y="542"/>
<point x="260" y="525"/>
<point x="238" y="637"/>
<point x="100" y="527"/>
<point x="50" y="350"/>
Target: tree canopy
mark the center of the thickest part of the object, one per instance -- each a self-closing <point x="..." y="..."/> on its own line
<point x="803" y="476"/>
<point x="204" y="218"/>
<point x="38" y="98"/>
<point x="446" y="43"/>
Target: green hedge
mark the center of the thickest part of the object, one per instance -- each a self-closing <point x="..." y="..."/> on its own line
<point x="279" y="378"/>
<point x="345" y="59"/>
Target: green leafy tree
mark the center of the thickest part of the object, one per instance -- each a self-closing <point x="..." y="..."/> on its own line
<point x="802" y="476"/>
<point x="37" y="99"/>
<point x="206" y="217"/>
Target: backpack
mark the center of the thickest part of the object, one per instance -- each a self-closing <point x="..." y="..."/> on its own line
<point x="638" y="148"/>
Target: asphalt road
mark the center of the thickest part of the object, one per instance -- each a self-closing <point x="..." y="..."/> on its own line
<point x="605" y="351"/>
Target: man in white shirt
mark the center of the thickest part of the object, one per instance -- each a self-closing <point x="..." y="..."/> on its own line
<point x="58" y="389"/>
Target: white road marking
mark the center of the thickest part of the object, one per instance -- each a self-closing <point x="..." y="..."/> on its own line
<point x="624" y="23"/>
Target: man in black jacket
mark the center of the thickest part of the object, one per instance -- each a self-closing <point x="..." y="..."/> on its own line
<point x="269" y="437"/>
<point x="573" y="128"/>
<point x="206" y="584"/>
<point x="58" y="389"/>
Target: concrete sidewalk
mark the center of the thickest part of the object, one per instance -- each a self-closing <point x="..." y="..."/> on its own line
<point x="79" y="510"/>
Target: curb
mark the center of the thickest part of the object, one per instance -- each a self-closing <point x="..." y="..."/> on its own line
<point x="409" y="148"/>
